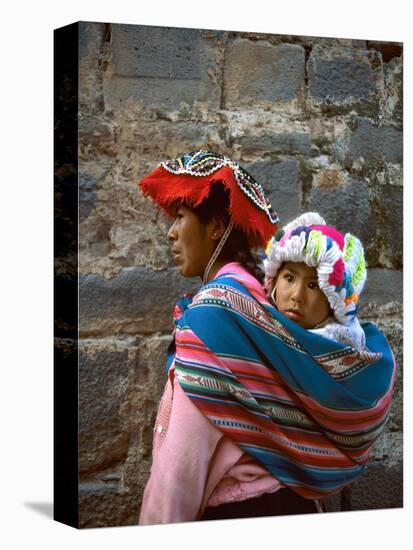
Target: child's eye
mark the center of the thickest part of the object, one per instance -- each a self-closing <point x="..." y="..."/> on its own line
<point x="313" y="285"/>
<point x="288" y="277"/>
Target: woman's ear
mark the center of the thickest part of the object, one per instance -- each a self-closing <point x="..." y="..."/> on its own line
<point x="217" y="229"/>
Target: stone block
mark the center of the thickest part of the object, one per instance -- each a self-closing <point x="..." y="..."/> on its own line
<point x="389" y="319"/>
<point x="110" y="493"/>
<point x="388" y="207"/>
<point x="332" y="503"/>
<point x="87" y="195"/>
<point x="163" y="67"/>
<point x="344" y="76"/>
<point x="118" y="226"/>
<point x="394" y="334"/>
<point x="160" y="139"/>
<point x="383" y="286"/>
<point x="156" y="52"/>
<point x="393" y="91"/>
<point x="280" y="179"/>
<point x="136" y="300"/>
<point x="395" y="423"/>
<point x="91" y="45"/>
<point x="260" y="74"/>
<point x="276" y="143"/>
<point x="374" y="143"/>
<point x="378" y="487"/>
<point x="388" y="449"/>
<point x="91" y="37"/>
<point x="104" y="370"/>
<point x="345" y="204"/>
<point x="329" y="178"/>
<point x="106" y="508"/>
<point x="97" y="138"/>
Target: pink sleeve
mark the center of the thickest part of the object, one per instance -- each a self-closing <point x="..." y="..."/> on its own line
<point x="180" y="468"/>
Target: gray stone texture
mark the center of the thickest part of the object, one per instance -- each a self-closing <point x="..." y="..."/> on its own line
<point x="317" y="120"/>
<point x="375" y="143"/>
<point x="261" y="73"/>
<point x="388" y="208"/>
<point x="120" y="382"/>
<point x="87" y="195"/>
<point x="393" y="91"/>
<point x="91" y="37"/>
<point x="91" y="57"/>
<point x="389" y="318"/>
<point x="382" y="284"/>
<point x="103" y="386"/>
<point x="380" y="487"/>
<point x="96" y="134"/>
<point x="280" y="179"/>
<point x="344" y="204"/>
<point x="163" y="67"/>
<point x="345" y="76"/>
<point x="279" y="143"/>
<point x="125" y="304"/>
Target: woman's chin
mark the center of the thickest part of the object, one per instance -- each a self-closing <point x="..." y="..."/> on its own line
<point x="185" y="272"/>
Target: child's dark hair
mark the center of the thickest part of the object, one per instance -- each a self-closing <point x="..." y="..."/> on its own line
<point x="236" y="248"/>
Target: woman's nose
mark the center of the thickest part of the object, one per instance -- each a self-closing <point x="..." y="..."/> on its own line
<point x="171" y="236"/>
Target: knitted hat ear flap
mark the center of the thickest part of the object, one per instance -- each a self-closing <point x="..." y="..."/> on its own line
<point x="346" y="280"/>
<point x="353" y="254"/>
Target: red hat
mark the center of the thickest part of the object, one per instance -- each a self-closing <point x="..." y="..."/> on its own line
<point x="189" y="178"/>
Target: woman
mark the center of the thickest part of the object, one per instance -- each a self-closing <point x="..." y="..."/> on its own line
<point x="251" y="423"/>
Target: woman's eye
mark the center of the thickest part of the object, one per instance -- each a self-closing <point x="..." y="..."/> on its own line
<point x="313" y="286"/>
<point x="288" y="277"/>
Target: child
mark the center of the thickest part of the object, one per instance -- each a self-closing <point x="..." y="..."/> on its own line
<point x="314" y="275"/>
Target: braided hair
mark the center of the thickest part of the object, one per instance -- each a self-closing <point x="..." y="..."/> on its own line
<point x="236" y="248"/>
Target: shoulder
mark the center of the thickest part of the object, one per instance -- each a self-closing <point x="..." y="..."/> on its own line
<point x="226" y="303"/>
<point x="182" y="305"/>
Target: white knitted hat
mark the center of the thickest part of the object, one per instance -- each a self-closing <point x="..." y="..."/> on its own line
<point x="339" y="260"/>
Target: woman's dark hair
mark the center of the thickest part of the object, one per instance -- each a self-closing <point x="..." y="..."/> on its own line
<point x="236" y="248"/>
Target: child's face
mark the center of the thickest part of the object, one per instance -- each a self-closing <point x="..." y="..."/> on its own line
<point x="298" y="296"/>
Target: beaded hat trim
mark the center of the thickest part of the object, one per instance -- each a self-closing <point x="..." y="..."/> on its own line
<point x="204" y="163"/>
<point x="189" y="179"/>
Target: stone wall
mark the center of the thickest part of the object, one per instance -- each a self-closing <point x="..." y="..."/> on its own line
<point x="318" y="121"/>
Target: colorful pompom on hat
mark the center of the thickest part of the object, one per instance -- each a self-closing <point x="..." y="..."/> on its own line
<point x="189" y="179"/>
<point x="339" y="260"/>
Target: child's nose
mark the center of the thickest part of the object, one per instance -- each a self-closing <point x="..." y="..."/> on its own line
<point x="298" y="292"/>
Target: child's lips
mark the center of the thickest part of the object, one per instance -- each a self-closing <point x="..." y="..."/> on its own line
<point x="293" y="314"/>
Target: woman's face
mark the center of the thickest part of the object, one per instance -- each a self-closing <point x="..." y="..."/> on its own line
<point x="191" y="242"/>
<point x="298" y="296"/>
